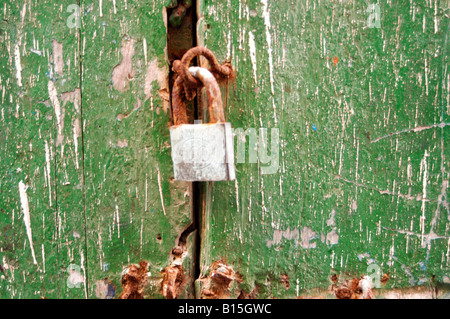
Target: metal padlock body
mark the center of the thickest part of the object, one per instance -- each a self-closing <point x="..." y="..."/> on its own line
<point x="202" y="152"/>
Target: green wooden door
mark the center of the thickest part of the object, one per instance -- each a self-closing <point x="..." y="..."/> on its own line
<point x="341" y="115"/>
<point x="350" y="103"/>
<point x="86" y="188"/>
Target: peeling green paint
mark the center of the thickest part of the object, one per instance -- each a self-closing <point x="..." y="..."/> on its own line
<point x="96" y="159"/>
<point x="362" y="116"/>
<point x="362" y="111"/>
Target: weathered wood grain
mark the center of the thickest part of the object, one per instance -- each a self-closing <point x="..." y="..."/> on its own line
<point x="87" y="183"/>
<point x="134" y="210"/>
<point x="65" y="97"/>
<point x="362" y="115"/>
<point x="37" y="242"/>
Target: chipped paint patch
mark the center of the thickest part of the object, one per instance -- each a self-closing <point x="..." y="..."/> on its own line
<point x="75" y="278"/>
<point x="72" y="97"/>
<point x="306" y="235"/>
<point x="123" y="73"/>
<point x="161" y="192"/>
<point x="332" y="237"/>
<point x="331" y="221"/>
<point x="160" y="75"/>
<point x="26" y="216"/>
<point x="47" y="171"/>
<point x="36" y="51"/>
<point x="252" y="47"/>
<point x="279" y="234"/>
<point x="59" y="111"/>
<point x="76" y="135"/>
<point x="58" y="61"/>
<point x="18" y="63"/>
<point x="105" y="289"/>
<point x="266" y="16"/>
<point x="122" y="143"/>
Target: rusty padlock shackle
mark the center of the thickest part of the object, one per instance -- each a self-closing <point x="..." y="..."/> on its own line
<point x="189" y="79"/>
<point x="218" y="70"/>
<point x="215" y="107"/>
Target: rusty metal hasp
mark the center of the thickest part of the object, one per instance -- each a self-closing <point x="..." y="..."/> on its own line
<point x="201" y="152"/>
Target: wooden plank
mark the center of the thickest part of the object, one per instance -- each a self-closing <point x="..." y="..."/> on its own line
<point x="88" y="163"/>
<point x="134" y="210"/>
<point x="361" y="186"/>
<point x="32" y="83"/>
<point x="65" y="87"/>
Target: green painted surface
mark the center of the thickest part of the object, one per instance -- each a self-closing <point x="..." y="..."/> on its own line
<point x="354" y="187"/>
<point x="363" y="120"/>
<point x="31" y="251"/>
<point x="94" y="155"/>
<point x="130" y="198"/>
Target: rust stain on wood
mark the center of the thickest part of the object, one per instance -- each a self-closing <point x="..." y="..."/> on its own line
<point x="134" y="281"/>
<point x="357" y="288"/>
<point x="217" y="285"/>
<point x="173" y="280"/>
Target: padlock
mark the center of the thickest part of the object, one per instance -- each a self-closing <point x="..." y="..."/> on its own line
<point x="202" y="152"/>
